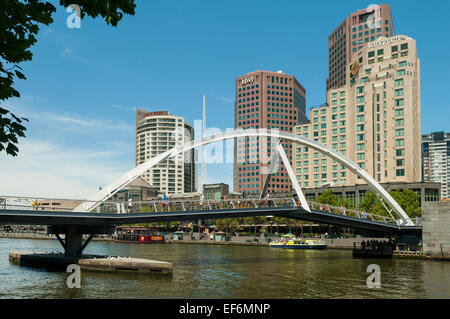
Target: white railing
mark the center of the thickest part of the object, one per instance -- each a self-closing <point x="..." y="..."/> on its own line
<point x="181" y="205"/>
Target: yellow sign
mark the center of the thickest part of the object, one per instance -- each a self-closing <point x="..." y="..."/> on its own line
<point x="355" y="68"/>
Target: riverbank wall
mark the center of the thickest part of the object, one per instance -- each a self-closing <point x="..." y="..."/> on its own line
<point x="436" y="230"/>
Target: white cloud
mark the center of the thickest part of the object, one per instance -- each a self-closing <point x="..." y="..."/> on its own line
<point x="44" y="169"/>
<point x="69" y="53"/>
<point x="226" y="99"/>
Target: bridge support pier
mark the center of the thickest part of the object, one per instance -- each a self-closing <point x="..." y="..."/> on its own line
<point x="73" y="243"/>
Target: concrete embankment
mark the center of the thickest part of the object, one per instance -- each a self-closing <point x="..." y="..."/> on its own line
<point x="58" y="262"/>
<point x="342" y="243"/>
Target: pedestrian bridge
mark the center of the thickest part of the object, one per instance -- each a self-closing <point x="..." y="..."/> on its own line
<point x="100" y="216"/>
<point x="29" y="211"/>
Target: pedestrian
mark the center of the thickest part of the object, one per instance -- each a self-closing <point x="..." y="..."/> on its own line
<point x="130" y="205"/>
<point x="170" y="203"/>
<point x="201" y="201"/>
<point x="164" y="200"/>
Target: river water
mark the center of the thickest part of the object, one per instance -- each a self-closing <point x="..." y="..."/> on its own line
<point x="204" y="271"/>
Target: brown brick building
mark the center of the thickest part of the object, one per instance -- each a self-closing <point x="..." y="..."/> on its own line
<point x="264" y="99"/>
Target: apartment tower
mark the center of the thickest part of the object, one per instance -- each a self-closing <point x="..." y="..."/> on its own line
<point x="436" y="160"/>
<point x="156" y="133"/>
<point x="355" y="32"/>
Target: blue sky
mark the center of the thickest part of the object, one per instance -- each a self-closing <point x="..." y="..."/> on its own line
<point x="83" y="84"/>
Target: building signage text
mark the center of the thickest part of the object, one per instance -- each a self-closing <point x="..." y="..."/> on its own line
<point x="247" y="81"/>
<point x="383" y="41"/>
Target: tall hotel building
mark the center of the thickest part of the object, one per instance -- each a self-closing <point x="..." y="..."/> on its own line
<point x="355" y="32"/>
<point x="158" y="132"/>
<point x="374" y="119"/>
<point x="271" y="100"/>
<point x="436" y="160"/>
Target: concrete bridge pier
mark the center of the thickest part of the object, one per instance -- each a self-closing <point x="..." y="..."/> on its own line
<point x="73" y="242"/>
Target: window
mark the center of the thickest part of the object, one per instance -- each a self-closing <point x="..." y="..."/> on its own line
<point x="399" y="82"/>
<point x="399" y="102"/>
<point x="400" y="172"/>
<point x="360" y="118"/>
<point x="371" y="54"/>
<point x="399" y="122"/>
<point x="400" y="152"/>
<point x="404" y="46"/>
<point x="360" y="90"/>
<point x="360" y="108"/>
<point x="399" y="112"/>
<point x="361" y="147"/>
<point x="400" y="142"/>
<point x="400" y="132"/>
<point x="399" y="92"/>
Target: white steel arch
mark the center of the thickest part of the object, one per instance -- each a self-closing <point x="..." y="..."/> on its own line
<point x="127" y="178"/>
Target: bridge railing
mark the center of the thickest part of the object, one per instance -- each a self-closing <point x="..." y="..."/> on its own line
<point x="170" y="205"/>
<point x="353" y="213"/>
<point x="180" y="205"/>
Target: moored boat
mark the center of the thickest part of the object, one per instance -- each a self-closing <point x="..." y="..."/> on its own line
<point x="138" y="235"/>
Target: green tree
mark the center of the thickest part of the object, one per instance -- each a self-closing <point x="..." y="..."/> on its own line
<point x="407" y="199"/>
<point x="372" y="205"/>
<point x="19" y="27"/>
<point x="327" y="197"/>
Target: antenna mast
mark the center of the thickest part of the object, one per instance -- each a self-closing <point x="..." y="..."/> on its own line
<point x="204" y="176"/>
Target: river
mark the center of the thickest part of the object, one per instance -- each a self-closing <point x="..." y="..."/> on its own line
<point x="204" y="271"/>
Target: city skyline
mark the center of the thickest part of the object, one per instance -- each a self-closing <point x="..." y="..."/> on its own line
<point x="71" y="106"/>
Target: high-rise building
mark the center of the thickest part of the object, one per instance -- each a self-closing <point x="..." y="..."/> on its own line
<point x="436" y="160"/>
<point x="356" y="31"/>
<point x="156" y="133"/>
<point x="272" y="100"/>
<point x="374" y="119"/>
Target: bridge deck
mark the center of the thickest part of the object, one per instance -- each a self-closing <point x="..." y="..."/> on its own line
<point x="55" y="218"/>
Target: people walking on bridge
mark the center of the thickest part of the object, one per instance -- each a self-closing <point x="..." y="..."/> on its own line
<point x="343" y="210"/>
<point x="170" y="204"/>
